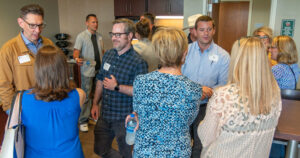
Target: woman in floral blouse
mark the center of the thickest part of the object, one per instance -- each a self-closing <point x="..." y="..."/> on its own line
<point x="241" y="116"/>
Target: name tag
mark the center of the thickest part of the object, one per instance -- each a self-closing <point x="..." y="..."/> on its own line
<point x="106" y="66"/>
<point x="24" y="59"/>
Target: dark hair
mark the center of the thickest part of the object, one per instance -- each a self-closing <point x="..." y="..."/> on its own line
<point x="90" y="15"/>
<point x="204" y="18"/>
<point x="129" y="25"/>
<point x="143" y="28"/>
<point x="33" y="9"/>
<point x="149" y="16"/>
<point x="51" y="75"/>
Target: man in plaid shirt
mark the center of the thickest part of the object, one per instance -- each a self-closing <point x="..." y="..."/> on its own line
<point x="119" y="68"/>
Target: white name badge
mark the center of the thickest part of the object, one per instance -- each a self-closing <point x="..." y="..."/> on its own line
<point x="106" y="66"/>
<point x="24" y="59"/>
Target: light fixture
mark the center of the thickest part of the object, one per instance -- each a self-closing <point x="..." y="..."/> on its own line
<point x="169" y="17"/>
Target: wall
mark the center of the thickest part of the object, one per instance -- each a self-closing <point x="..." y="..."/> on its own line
<point x="288" y="9"/>
<point x="260" y="14"/>
<point x="72" y="14"/>
<point x="191" y="7"/>
<point x="10" y="11"/>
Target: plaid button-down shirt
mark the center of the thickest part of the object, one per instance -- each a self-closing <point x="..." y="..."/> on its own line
<point x="115" y="105"/>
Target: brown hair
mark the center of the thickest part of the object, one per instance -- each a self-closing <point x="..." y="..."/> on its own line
<point x="169" y="45"/>
<point x="129" y="25"/>
<point x="287" y="51"/>
<point x="149" y="16"/>
<point x="33" y="9"/>
<point x="143" y="28"/>
<point x="204" y="18"/>
<point x="51" y="75"/>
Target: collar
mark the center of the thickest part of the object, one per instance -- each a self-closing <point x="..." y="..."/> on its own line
<point x="89" y="33"/>
<point x="208" y="49"/>
<point x="21" y="44"/>
<point x="27" y="42"/>
<point x="124" y="54"/>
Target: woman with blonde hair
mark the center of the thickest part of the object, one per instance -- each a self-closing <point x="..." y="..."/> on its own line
<point x="265" y="34"/>
<point x="165" y="101"/>
<point x="241" y="116"/>
<point x="50" y="110"/>
<point x="287" y="71"/>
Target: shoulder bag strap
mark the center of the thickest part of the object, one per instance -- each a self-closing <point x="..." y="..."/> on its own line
<point x="294" y="76"/>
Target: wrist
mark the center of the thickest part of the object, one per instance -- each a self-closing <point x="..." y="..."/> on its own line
<point x="117" y="87"/>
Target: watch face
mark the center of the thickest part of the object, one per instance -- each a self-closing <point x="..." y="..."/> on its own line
<point x="117" y="88"/>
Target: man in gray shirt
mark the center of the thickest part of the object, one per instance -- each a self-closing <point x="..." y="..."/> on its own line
<point x="88" y="52"/>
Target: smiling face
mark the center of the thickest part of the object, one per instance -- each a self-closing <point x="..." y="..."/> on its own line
<point x="92" y="24"/>
<point x="264" y="38"/>
<point x="274" y="52"/>
<point x="31" y="34"/>
<point x="205" y="32"/>
<point x="122" y="43"/>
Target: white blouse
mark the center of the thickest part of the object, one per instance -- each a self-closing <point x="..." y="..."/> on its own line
<point x="228" y="131"/>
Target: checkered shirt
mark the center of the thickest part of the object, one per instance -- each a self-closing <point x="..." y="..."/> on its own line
<point x="115" y="105"/>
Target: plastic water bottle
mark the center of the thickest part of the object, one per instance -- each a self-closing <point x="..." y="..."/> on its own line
<point x="130" y="133"/>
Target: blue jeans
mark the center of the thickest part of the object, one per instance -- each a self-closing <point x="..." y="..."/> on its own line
<point x="86" y="86"/>
<point x="105" y="132"/>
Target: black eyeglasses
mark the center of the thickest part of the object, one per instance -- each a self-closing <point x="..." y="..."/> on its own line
<point x="34" y="26"/>
<point x="118" y="35"/>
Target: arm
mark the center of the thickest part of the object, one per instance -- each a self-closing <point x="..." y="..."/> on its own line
<point x="78" y="60"/>
<point x="111" y="83"/>
<point x="208" y="129"/>
<point x="82" y="96"/>
<point x="97" y="97"/>
<point x="7" y="89"/>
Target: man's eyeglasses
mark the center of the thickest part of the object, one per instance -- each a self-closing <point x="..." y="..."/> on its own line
<point x="262" y="37"/>
<point x="118" y="35"/>
<point x="34" y="26"/>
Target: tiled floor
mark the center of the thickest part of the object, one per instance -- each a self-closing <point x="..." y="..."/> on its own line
<point x="87" y="142"/>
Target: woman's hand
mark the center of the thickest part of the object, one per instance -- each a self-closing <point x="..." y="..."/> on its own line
<point x="137" y="121"/>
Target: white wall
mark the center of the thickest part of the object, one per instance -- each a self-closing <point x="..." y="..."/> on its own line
<point x="191" y="7"/>
<point x="72" y="14"/>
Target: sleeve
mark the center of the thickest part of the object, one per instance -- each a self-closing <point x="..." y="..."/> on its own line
<point x="208" y="129"/>
<point x="223" y="76"/>
<point x="142" y="68"/>
<point x="136" y="95"/>
<point x="7" y="89"/>
<point x="78" y="43"/>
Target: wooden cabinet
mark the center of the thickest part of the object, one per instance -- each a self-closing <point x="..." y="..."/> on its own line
<point x="165" y="7"/>
<point x="129" y="7"/>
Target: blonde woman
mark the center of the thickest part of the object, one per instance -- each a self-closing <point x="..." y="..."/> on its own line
<point x="165" y="101"/>
<point x="241" y="116"/>
<point x="266" y="34"/>
<point x="287" y="71"/>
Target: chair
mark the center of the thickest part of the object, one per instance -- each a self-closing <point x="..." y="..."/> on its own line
<point x="290" y="94"/>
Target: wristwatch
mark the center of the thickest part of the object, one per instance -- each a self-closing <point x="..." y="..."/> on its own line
<point x="117" y="88"/>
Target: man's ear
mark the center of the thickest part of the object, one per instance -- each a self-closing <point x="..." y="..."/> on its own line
<point x="130" y="36"/>
<point x="20" y="22"/>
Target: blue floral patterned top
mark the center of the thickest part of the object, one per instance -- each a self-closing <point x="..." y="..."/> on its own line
<point x="166" y="105"/>
<point x="284" y="76"/>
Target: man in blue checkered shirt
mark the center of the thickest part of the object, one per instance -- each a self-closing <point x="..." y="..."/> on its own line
<point x="119" y="68"/>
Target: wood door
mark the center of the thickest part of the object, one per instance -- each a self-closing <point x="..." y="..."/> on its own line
<point x="137" y="7"/>
<point x="231" y="20"/>
<point x="121" y="7"/>
<point x="158" y="7"/>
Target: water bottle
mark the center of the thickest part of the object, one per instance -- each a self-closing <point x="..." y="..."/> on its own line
<point x="130" y="133"/>
<point x="87" y="62"/>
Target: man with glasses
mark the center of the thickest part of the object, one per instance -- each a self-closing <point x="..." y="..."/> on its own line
<point x="88" y="52"/>
<point x="18" y="54"/>
<point x="206" y="63"/>
<point x="119" y="68"/>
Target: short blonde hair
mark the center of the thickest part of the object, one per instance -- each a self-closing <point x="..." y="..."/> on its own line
<point x="287" y="51"/>
<point x="250" y="70"/>
<point x="266" y="30"/>
<point x="169" y="45"/>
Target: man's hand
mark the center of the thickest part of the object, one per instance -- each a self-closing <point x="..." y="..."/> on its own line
<point x="206" y="92"/>
<point x="110" y="83"/>
<point x="95" y="112"/>
<point x="79" y="61"/>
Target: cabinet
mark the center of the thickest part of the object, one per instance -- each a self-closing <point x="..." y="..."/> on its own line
<point x="165" y="7"/>
<point x="129" y="7"/>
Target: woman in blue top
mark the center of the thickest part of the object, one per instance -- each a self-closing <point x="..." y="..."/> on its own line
<point x="287" y="71"/>
<point x="165" y="101"/>
<point x="50" y="111"/>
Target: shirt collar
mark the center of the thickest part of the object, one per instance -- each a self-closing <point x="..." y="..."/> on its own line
<point x="124" y="54"/>
<point x="89" y="33"/>
<point x="27" y="42"/>
<point x="208" y="49"/>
